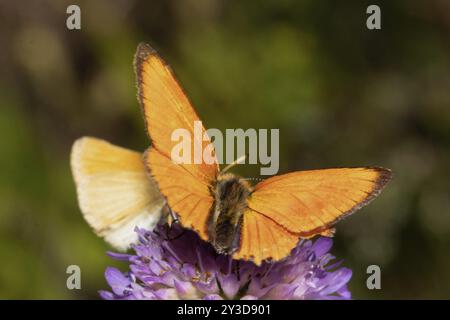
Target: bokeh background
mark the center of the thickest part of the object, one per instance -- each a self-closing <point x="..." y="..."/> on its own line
<point x="340" y="94"/>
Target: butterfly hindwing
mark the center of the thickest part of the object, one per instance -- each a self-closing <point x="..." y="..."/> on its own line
<point x="187" y="196"/>
<point x="262" y="239"/>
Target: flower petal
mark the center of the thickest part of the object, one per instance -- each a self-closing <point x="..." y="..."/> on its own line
<point x="117" y="281"/>
<point x="212" y="297"/>
<point x="229" y="284"/>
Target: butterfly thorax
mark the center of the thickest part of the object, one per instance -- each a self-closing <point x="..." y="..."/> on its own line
<point x="230" y="194"/>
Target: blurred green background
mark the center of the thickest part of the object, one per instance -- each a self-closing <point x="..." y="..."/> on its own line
<point x="340" y="94"/>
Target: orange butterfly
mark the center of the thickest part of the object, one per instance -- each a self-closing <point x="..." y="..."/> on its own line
<point x="263" y="222"/>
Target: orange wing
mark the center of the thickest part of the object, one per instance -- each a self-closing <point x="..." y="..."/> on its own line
<point x="263" y="239"/>
<point x="166" y="108"/>
<point x="114" y="191"/>
<point x="304" y="204"/>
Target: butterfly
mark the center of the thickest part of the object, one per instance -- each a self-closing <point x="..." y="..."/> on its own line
<point x="263" y="222"/>
<point x="114" y="192"/>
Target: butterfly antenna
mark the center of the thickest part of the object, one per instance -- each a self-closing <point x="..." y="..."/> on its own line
<point x="239" y="160"/>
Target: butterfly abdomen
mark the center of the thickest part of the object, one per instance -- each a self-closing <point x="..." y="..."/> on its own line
<point x="230" y="200"/>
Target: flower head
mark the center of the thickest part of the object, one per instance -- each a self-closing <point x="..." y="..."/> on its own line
<point x="174" y="263"/>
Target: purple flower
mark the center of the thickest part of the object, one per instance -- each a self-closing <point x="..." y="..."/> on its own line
<point x="174" y="263"/>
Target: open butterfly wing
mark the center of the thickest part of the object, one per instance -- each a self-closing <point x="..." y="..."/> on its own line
<point x="306" y="203"/>
<point x="114" y="191"/>
<point x="262" y="239"/>
<point x="188" y="196"/>
<point x="166" y="108"/>
<point x="312" y="201"/>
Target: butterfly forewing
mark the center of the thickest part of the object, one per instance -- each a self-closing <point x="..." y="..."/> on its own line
<point x="166" y="109"/>
<point x="306" y="202"/>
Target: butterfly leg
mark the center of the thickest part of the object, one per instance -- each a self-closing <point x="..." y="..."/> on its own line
<point x="171" y="219"/>
<point x="174" y="217"/>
